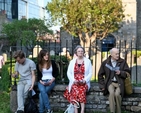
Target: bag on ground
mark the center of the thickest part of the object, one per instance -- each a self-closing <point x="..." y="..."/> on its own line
<point x="30" y="106"/>
<point x="128" y="85"/>
<point x="71" y="107"/>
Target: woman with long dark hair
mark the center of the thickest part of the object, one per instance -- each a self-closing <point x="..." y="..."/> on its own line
<point x="47" y="71"/>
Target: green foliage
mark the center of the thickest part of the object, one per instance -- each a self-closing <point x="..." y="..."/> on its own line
<point x="25" y="31"/>
<point x="4" y="102"/>
<point x="59" y="58"/>
<point x="62" y="62"/>
<point x="5" y="80"/>
<point x="136" y="53"/>
<point x="99" y="17"/>
<point x="137" y="85"/>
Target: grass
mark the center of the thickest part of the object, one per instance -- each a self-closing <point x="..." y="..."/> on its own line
<point x="4" y="102"/>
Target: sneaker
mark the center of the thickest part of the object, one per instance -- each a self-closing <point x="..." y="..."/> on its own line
<point x="49" y="111"/>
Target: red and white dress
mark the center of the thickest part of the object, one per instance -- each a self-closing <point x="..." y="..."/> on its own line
<point x="78" y="91"/>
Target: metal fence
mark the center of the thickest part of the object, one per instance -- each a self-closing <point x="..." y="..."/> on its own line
<point x="98" y="52"/>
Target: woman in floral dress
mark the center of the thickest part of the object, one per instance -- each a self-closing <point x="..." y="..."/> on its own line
<point x="79" y="74"/>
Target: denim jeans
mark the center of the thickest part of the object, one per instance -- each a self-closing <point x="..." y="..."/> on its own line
<point x="43" y="96"/>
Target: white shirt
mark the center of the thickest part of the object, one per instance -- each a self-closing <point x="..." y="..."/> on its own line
<point x="47" y="73"/>
<point x="87" y="74"/>
<point x="114" y="63"/>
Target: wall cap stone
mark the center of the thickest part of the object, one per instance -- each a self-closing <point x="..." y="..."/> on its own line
<point x="94" y="87"/>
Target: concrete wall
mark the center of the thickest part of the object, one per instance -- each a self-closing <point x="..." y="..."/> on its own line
<point x="95" y="100"/>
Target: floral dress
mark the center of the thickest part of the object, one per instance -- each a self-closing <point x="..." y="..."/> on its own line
<point x="78" y="91"/>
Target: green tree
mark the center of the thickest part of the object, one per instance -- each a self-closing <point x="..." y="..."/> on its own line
<point x="94" y="18"/>
<point x="25" y="31"/>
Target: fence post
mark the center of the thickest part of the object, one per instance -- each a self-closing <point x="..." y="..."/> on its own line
<point x="13" y="93"/>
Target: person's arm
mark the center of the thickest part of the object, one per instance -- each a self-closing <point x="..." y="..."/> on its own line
<point x="124" y="70"/>
<point x="39" y="74"/>
<point x="33" y="79"/>
<point x="15" y="74"/>
<point x="101" y="74"/>
<point x="88" y="77"/>
<point x="33" y="68"/>
<point x="55" y="71"/>
<point x="70" y="74"/>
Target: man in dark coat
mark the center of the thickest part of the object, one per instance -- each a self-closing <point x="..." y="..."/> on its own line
<point x="111" y="76"/>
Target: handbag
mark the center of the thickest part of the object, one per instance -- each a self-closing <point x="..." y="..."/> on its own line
<point x="128" y="85"/>
<point x="71" y="107"/>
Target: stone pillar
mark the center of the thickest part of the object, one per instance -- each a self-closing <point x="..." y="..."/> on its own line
<point x="5" y="56"/>
<point x="96" y="65"/>
<point x="13" y="101"/>
<point x="36" y="50"/>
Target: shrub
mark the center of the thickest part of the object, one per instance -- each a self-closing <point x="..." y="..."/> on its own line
<point x="62" y="62"/>
<point x="136" y="53"/>
<point x="5" y="78"/>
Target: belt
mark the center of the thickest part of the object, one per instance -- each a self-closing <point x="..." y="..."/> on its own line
<point x="115" y="81"/>
<point x="46" y="80"/>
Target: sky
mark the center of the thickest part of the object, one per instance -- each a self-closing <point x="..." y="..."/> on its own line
<point x="44" y="3"/>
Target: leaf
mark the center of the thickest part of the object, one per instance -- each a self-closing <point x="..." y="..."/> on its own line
<point x="25" y="31"/>
<point x="94" y="16"/>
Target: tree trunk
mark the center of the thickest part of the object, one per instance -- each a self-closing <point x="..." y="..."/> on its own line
<point x="86" y="42"/>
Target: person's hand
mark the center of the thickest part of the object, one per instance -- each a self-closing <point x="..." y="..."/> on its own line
<point x="79" y="82"/>
<point x="117" y="72"/>
<point x="76" y="82"/>
<point x="31" y="88"/>
<point x="43" y="83"/>
<point x="14" y="75"/>
<point x="82" y="82"/>
<point x="103" y="89"/>
<point x="48" y="83"/>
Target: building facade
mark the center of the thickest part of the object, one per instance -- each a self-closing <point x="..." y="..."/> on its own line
<point x="17" y="9"/>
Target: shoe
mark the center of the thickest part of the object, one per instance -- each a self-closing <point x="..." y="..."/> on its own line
<point x="19" y="111"/>
<point x="49" y="111"/>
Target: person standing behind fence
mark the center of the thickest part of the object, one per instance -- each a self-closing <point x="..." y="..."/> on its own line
<point x="66" y="53"/>
<point x="79" y="74"/>
<point x="2" y="62"/>
<point x="111" y="76"/>
<point x="47" y="72"/>
<point x="25" y="68"/>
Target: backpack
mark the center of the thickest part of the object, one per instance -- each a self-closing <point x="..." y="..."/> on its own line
<point x="30" y="106"/>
